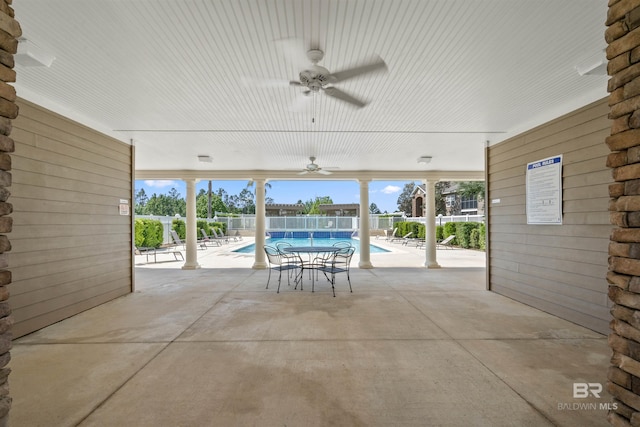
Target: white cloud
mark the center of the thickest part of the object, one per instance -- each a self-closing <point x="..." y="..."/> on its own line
<point x="390" y="189"/>
<point x="160" y="183"/>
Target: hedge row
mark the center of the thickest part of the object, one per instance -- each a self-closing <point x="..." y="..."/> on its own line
<point x="468" y="234"/>
<point x="148" y="233"/>
<point x="181" y="228"/>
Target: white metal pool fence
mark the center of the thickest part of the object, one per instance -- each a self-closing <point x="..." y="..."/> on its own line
<point x="311" y="222"/>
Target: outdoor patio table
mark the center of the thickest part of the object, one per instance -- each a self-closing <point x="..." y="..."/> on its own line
<point x="310" y="251"/>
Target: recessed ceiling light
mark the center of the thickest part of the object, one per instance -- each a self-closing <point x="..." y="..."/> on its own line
<point x="424" y="159"/>
<point x="205" y="158"/>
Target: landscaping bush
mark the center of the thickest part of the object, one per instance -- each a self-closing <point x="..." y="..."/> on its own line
<point x="179" y="227"/>
<point x="405" y="227"/>
<point x="482" y="237"/>
<point x="473" y="238"/>
<point x="439" y="233"/>
<point x="448" y="229"/>
<point x="463" y="233"/>
<point x="148" y="233"/>
<point x="219" y="226"/>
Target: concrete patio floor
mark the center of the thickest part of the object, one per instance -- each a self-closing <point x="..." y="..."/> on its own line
<point x="213" y="347"/>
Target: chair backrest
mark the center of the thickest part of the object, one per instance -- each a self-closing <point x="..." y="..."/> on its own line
<point x="344" y="255"/>
<point x="176" y="238"/>
<point x="281" y="245"/>
<point x="448" y="239"/>
<point x="213" y="231"/>
<point x="407" y="235"/>
<point x="204" y="234"/>
<point x="273" y="255"/>
<point x="342" y="244"/>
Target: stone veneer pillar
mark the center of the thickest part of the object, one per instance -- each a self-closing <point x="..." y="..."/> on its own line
<point x="9" y="33"/>
<point x="623" y="53"/>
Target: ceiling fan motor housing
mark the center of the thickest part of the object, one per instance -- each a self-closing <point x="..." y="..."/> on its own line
<point x="314" y="78"/>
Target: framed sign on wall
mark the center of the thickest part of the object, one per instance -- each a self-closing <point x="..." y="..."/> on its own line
<point x="544" y="191"/>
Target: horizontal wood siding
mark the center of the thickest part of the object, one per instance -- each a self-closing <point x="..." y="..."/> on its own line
<point x="558" y="269"/>
<point x="71" y="248"/>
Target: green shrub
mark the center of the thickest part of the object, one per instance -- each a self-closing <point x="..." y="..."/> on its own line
<point x="404" y="227"/>
<point x="473" y="238"/>
<point x="148" y="233"/>
<point x="219" y="226"/>
<point x="179" y="227"/>
<point x="439" y="233"/>
<point x="463" y="233"/>
<point x="482" y="237"/>
<point x="448" y="229"/>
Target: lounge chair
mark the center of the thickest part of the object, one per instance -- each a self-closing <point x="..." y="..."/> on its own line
<point x="223" y="238"/>
<point x="446" y="243"/>
<point x="402" y="239"/>
<point x="143" y="250"/>
<point x="178" y="241"/>
<point x="390" y="235"/>
<point x="206" y="239"/>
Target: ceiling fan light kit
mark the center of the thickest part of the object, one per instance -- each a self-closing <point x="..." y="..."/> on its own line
<point x="424" y="159"/>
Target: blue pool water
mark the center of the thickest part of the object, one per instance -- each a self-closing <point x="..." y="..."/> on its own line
<point x="249" y="249"/>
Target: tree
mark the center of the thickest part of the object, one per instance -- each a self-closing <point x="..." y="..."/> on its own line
<point x="404" y="199"/>
<point x="441" y="205"/>
<point x="166" y="204"/>
<point x="311" y="206"/>
<point x="373" y="208"/>
<point x="471" y="189"/>
<point x="202" y="201"/>
<point x="141" y="201"/>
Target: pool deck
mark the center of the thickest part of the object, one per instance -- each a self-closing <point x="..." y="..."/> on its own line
<point x="212" y="347"/>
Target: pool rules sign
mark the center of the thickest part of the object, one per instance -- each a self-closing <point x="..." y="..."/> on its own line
<point x="544" y="191"/>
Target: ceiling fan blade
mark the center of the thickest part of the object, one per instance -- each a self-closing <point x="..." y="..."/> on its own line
<point x="324" y="172"/>
<point x="294" y="83"/>
<point x="343" y="75"/>
<point x="337" y="93"/>
<point x="304" y="172"/>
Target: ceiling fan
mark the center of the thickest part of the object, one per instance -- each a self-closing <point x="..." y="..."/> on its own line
<point x="317" y="79"/>
<point x="314" y="168"/>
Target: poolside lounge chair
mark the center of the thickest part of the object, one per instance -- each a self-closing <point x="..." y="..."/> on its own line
<point x="446" y="243"/>
<point x="142" y="250"/>
<point x="402" y="239"/>
<point x="178" y="241"/>
<point x="391" y="235"/>
<point x="206" y="239"/>
<point x="223" y="238"/>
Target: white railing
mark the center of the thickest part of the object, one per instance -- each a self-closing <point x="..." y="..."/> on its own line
<point x="312" y="222"/>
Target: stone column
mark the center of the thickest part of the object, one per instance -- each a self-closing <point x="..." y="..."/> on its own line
<point x="191" y="262"/>
<point x="623" y="53"/>
<point x="260" y="257"/>
<point x="365" y="251"/>
<point x="9" y="32"/>
<point x="430" y="225"/>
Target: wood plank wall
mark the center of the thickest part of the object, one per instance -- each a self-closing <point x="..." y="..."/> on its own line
<point x="71" y="248"/>
<point x="560" y="269"/>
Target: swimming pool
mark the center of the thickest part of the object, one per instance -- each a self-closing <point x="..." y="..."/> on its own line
<point x="249" y="249"/>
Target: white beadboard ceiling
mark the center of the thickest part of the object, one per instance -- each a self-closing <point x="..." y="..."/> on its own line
<point x="210" y="77"/>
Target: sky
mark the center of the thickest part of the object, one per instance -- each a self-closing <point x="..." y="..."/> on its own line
<point x="383" y="193"/>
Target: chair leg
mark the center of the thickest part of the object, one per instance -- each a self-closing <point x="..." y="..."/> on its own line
<point x="279" y="279"/>
<point x="269" y="278"/>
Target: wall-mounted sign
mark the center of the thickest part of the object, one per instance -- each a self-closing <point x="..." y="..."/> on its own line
<point x="123" y="207"/>
<point x="544" y="191"/>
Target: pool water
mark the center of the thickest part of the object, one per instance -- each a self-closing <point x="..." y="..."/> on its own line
<point x="249" y="249"/>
